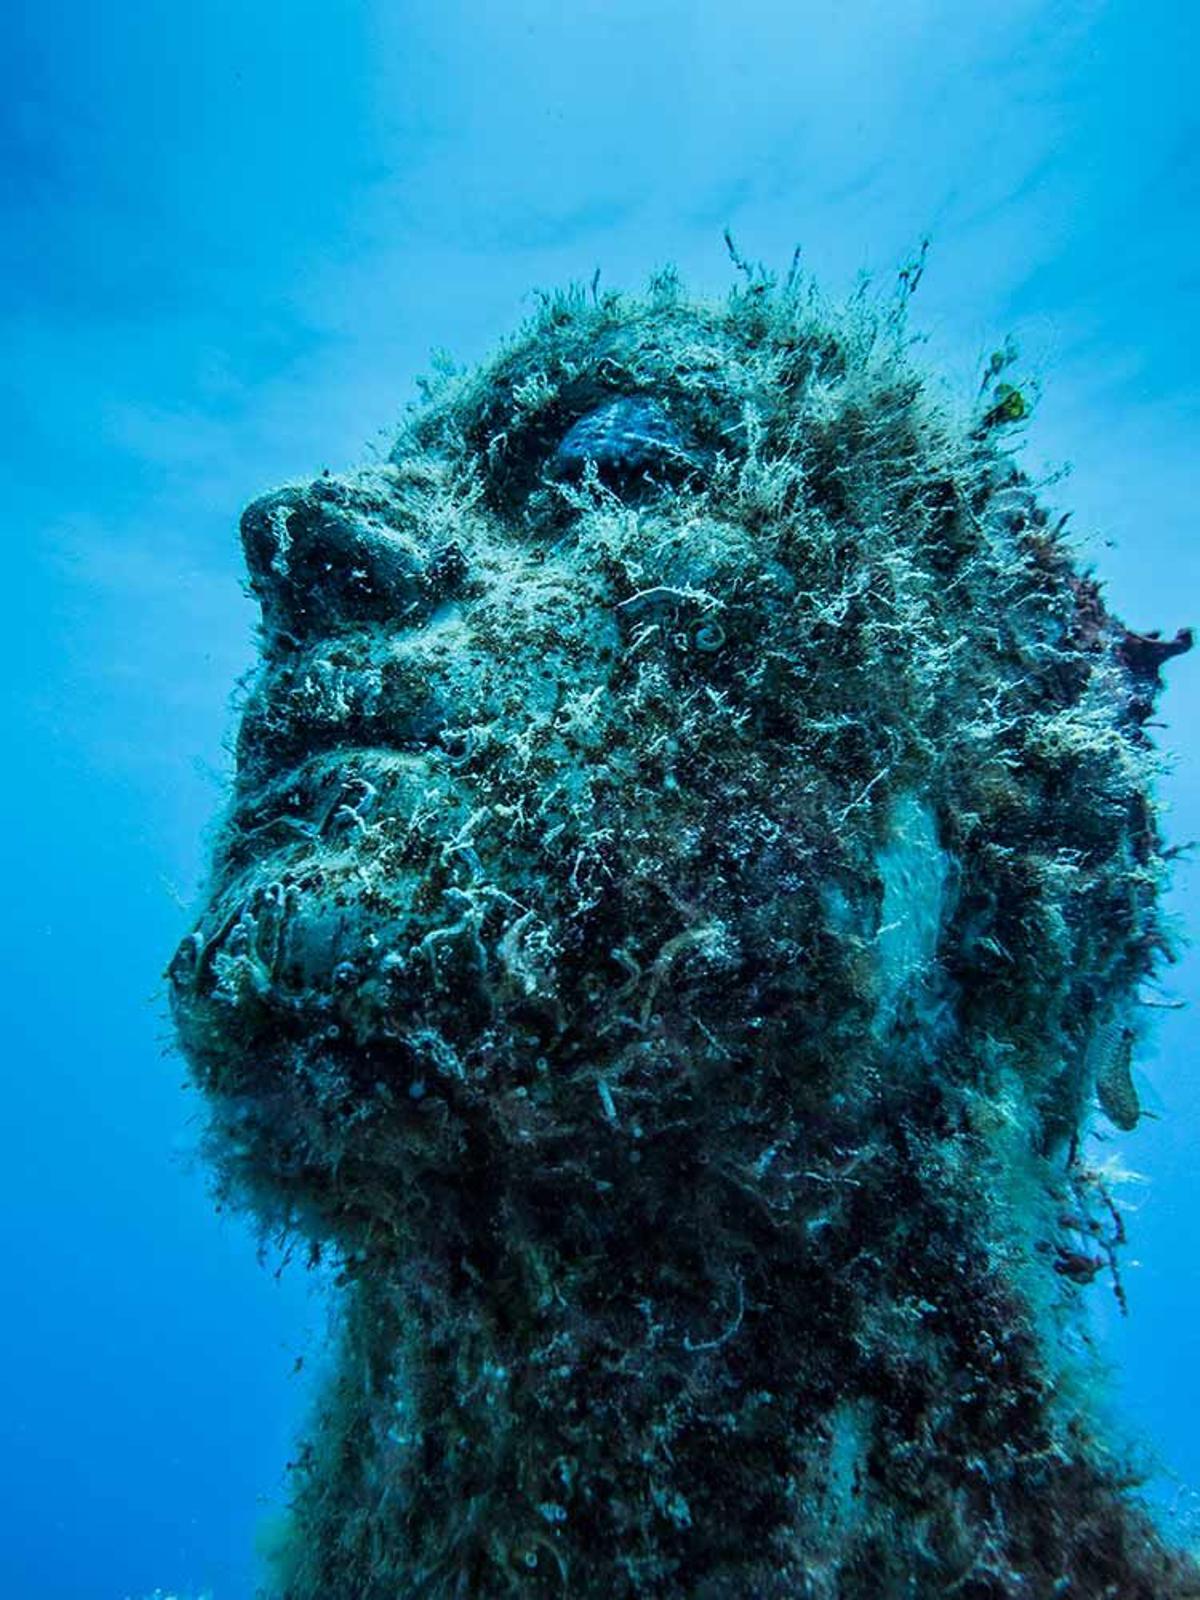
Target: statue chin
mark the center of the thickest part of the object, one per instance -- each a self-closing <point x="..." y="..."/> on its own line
<point x="690" y="866"/>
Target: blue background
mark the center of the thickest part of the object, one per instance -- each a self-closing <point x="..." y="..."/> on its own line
<point x="230" y="235"/>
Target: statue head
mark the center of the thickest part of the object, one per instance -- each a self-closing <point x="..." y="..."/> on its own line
<point x="689" y="870"/>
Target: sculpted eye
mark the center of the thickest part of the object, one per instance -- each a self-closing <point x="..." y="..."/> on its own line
<point x="631" y="441"/>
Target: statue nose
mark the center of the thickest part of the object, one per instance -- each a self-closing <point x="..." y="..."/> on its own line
<point x="317" y="561"/>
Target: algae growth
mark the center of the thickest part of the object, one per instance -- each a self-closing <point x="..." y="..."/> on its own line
<point x="690" y="870"/>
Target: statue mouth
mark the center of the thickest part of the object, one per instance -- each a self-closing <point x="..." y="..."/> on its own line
<point x="298" y="912"/>
<point x="329" y="797"/>
<point x="350" y="905"/>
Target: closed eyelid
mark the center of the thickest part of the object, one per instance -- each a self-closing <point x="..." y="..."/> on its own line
<point x="628" y="438"/>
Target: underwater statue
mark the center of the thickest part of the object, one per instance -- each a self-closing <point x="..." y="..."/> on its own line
<point x="682" y="905"/>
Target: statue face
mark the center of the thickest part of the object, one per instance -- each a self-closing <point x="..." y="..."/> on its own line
<point x="687" y="736"/>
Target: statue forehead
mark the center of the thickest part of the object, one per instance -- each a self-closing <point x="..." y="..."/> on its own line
<point x="672" y="380"/>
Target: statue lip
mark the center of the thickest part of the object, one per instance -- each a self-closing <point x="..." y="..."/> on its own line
<point x="272" y="945"/>
<point x="293" y="905"/>
<point x="325" y="793"/>
<point x="328" y="709"/>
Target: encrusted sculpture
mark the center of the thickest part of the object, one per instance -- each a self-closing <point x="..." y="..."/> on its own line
<point x="690" y="870"/>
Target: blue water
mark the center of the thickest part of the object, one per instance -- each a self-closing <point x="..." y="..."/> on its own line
<point x="230" y="235"/>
